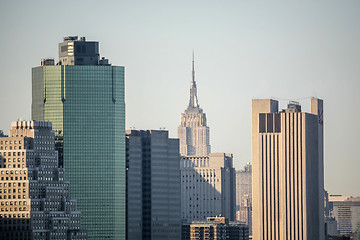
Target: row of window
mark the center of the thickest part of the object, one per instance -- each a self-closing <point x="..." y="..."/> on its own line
<point x="203" y="175"/>
<point x="45" y="136"/>
<point x="12" y="172"/>
<point x="15" y="209"/>
<point x="10" y="148"/>
<point x="13" y="153"/>
<point x="11" y="203"/>
<point x="10" y="142"/>
<point x="13" y="166"/>
<point x="14" y="184"/>
<point x="14" y="160"/>
<point x="12" y="178"/>
<point x="14" y="215"/>
<point x="204" y="180"/>
<point x="14" y="190"/>
<point x="12" y="197"/>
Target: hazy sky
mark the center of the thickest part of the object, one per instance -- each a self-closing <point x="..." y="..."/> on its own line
<point x="243" y="50"/>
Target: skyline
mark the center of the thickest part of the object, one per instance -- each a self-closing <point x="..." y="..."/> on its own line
<point x="242" y="51"/>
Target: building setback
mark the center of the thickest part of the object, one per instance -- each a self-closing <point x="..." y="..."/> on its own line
<point x="207" y="187"/>
<point x="244" y="195"/>
<point x="83" y="96"/>
<point x="34" y="195"/>
<point x="288" y="173"/>
<point x="153" y="185"/>
<point x="193" y="132"/>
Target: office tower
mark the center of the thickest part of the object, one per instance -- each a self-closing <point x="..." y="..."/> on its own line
<point x="244" y="195"/>
<point x="207" y="187"/>
<point x="153" y="185"/>
<point x="34" y="195"/>
<point x="346" y="211"/>
<point x="83" y="96"/>
<point x="215" y="228"/>
<point x="288" y="174"/>
<point x="193" y="133"/>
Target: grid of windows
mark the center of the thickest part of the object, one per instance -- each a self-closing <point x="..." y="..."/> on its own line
<point x="86" y="105"/>
<point x="34" y="194"/>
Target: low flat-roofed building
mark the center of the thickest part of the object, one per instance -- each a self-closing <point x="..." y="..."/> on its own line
<point x="215" y="228"/>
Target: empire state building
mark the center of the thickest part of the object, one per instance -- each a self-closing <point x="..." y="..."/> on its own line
<point x="193" y="132"/>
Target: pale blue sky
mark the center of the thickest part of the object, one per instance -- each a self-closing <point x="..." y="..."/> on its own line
<point x="243" y="50"/>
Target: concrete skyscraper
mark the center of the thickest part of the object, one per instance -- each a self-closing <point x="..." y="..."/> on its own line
<point x="193" y="133"/>
<point x="153" y="185"/>
<point x="83" y="96"/>
<point x="288" y="173"/>
<point x="34" y="195"/>
<point x="207" y="187"/>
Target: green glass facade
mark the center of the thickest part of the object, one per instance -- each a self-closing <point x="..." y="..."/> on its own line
<point x="87" y="108"/>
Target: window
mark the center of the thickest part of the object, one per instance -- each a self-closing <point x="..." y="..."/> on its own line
<point x="270" y="123"/>
<point x="262" y="127"/>
<point x="277" y="122"/>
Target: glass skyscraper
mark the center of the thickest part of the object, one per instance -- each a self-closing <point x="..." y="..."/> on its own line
<point x="83" y="96"/>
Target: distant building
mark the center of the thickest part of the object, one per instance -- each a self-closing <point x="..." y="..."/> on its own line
<point x="207" y="187"/>
<point x="330" y="221"/>
<point x="83" y="96"/>
<point x="326" y="204"/>
<point x="215" y="228"/>
<point x="288" y="172"/>
<point x="331" y="226"/>
<point x="244" y="195"/>
<point x="153" y="185"/>
<point x="346" y="211"/>
<point x="34" y="195"/>
<point x="193" y="132"/>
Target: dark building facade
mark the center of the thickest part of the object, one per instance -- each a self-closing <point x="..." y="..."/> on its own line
<point x="153" y="185"/>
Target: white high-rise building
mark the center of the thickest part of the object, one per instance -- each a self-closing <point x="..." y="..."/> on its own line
<point x="288" y="171"/>
<point x="207" y="187"/>
<point x="193" y="133"/>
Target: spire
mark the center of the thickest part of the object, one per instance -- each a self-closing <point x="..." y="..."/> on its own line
<point x="193" y="68"/>
<point x="193" y="103"/>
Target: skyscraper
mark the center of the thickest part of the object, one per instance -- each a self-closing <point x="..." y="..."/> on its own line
<point x="244" y="195"/>
<point x="34" y="195"/>
<point x="193" y="133"/>
<point x="207" y="187"/>
<point x="288" y="173"/>
<point x="83" y="96"/>
<point x="153" y="185"/>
